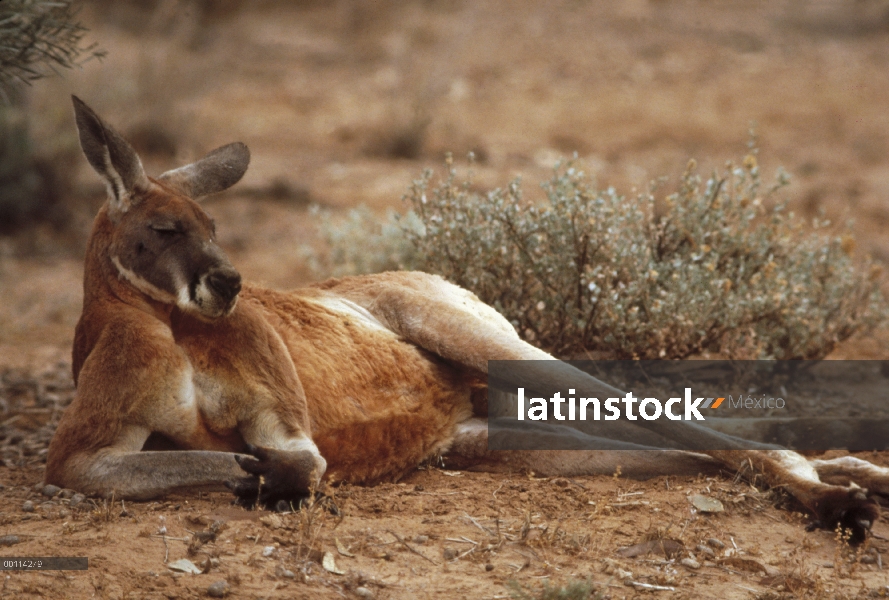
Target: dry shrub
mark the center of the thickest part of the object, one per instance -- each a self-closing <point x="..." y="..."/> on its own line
<point x="717" y="266"/>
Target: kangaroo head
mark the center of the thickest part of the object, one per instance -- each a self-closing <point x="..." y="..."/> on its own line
<point x="162" y="242"/>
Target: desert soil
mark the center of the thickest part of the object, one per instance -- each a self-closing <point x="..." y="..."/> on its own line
<point x="343" y="104"/>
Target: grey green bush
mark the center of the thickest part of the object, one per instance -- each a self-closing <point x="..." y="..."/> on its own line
<point x="36" y="35"/>
<point x="719" y="265"/>
<point x="36" y="38"/>
<point x="573" y="590"/>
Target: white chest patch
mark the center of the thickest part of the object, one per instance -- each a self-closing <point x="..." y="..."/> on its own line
<point x="186" y="398"/>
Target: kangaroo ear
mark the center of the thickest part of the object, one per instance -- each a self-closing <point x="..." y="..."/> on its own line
<point x="111" y="156"/>
<point x="220" y="169"/>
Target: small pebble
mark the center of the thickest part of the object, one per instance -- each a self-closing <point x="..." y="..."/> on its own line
<point x="363" y="592"/>
<point x="28" y="506"/>
<point x="9" y="540"/>
<point x="50" y="490"/>
<point x="268" y="551"/>
<point x="64" y="513"/>
<point x="714" y="543"/>
<point x="489" y="567"/>
<point x="282" y="572"/>
<point x="449" y="554"/>
<point x="218" y="590"/>
<point x="66" y="493"/>
<point x="690" y="563"/>
<point x="705" y="550"/>
<point x="421" y="539"/>
<point x="867" y="559"/>
<point x="76" y="499"/>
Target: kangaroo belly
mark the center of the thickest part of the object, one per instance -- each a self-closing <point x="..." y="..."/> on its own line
<point x="378" y="404"/>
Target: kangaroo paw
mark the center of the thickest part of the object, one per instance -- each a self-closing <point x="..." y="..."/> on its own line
<point x="847" y="508"/>
<point x="276" y="478"/>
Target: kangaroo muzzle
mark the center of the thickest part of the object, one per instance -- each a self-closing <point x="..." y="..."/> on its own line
<point x="215" y="292"/>
<point x="225" y="283"/>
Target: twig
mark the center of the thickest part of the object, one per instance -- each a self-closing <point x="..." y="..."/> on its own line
<point x="408" y="546"/>
<point x="649" y="586"/>
<point x="166" y="537"/>
<point x="470" y="551"/>
<point x="479" y="525"/>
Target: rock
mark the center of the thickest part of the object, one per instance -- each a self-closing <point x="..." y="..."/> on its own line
<point x="183" y="565"/>
<point x="9" y="540"/>
<point x="28" y="506"/>
<point x="706" y="504"/>
<point x="280" y="571"/>
<point x="219" y="589"/>
<point x="272" y="521"/>
<point x="449" y="554"/>
<point x="714" y="543"/>
<point x="363" y="592"/>
<point x="421" y="539"/>
<point x="66" y="493"/>
<point x="706" y="551"/>
<point x="76" y="500"/>
<point x="329" y="564"/>
<point x="268" y="551"/>
<point x="50" y="490"/>
<point x="690" y="563"/>
<point x="489" y="567"/>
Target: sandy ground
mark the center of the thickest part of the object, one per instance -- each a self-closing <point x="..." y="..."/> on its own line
<point x="344" y="103"/>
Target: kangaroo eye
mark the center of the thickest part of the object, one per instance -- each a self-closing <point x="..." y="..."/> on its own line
<point x="164" y="231"/>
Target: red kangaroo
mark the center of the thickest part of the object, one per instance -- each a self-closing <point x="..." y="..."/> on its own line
<point x="187" y="378"/>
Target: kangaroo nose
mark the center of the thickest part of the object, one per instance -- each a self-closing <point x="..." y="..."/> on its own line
<point x="226" y="283"/>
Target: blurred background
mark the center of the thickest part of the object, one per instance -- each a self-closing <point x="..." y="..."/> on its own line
<point x="344" y="103"/>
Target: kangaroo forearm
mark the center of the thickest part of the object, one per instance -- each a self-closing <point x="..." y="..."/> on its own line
<point x="145" y="475"/>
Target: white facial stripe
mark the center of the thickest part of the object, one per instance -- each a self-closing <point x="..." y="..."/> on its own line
<point x="143" y="286"/>
<point x="183" y="299"/>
